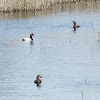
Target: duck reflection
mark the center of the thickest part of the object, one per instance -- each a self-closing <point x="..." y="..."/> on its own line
<point x="31" y="43"/>
<point x="74" y="28"/>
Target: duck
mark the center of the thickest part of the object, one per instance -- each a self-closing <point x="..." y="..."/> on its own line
<point x="38" y="81"/>
<point x="28" y="39"/>
<point x="75" y="25"/>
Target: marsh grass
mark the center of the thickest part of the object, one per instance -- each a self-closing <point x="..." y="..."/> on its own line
<point x="31" y="5"/>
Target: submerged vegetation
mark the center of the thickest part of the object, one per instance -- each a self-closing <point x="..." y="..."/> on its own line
<point x="31" y="5"/>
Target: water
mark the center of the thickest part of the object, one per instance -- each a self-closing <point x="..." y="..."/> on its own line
<point x="68" y="61"/>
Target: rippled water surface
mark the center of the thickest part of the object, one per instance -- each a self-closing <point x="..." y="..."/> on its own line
<point x="68" y="61"/>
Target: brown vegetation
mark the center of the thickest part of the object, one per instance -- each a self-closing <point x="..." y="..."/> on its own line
<point x="30" y="5"/>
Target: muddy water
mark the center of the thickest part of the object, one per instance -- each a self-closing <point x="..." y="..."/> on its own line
<point x="68" y="60"/>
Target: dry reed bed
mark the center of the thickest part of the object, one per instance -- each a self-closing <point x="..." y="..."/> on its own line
<point x="25" y="5"/>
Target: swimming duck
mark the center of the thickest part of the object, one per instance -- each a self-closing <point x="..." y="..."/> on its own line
<point x="75" y="25"/>
<point x="28" y="39"/>
<point x="38" y="81"/>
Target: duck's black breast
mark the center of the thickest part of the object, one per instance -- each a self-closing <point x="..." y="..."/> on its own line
<point x="38" y="81"/>
<point x="76" y="26"/>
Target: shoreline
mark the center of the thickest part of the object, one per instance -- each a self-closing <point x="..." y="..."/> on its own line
<point x="66" y="7"/>
<point x="34" y="5"/>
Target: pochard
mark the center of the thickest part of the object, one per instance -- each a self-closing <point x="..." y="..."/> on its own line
<point x="75" y="25"/>
<point x="38" y="81"/>
<point x="28" y="39"/>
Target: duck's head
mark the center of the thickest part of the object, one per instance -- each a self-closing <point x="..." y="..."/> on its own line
<point x="31" y="35"/>
<point x="39" y="77"/>
<point x="74" y="22"/>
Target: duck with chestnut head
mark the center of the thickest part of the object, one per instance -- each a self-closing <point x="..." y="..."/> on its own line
<point x="28" y="39"/>
<point x="75" y="26"/>
<point x="38" y="81"/>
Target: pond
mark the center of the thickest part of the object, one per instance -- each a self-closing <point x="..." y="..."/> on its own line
<point x="67" y="60"/>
